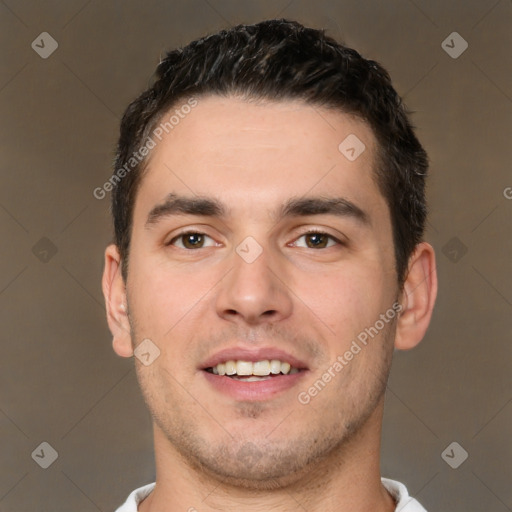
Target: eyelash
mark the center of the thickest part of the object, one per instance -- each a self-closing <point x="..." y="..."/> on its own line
<point x="310" y="232"/>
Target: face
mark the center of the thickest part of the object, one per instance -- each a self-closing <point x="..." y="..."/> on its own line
<point x="279" y="249"/>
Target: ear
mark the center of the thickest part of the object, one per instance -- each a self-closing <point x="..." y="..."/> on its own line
<point x="418" y="297"/>
<point x="114" y="291"/>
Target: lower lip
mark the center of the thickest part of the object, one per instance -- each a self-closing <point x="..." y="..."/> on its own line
<point x="255" y="391"/>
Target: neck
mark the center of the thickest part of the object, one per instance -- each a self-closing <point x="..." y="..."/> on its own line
<point x="347" y="479"/>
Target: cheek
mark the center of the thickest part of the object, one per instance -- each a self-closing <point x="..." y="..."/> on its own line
<point x="168" y="306"/>
<point x="158" y="300"/>
<point x="346" y="299"/>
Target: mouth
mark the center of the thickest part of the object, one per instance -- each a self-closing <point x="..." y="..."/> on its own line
<point x="257" y="371"/>
<point x="251" y="375"/>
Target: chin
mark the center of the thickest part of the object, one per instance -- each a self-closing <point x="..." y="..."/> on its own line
<point x="258" y="467"/>
<point x="261" y="477"/>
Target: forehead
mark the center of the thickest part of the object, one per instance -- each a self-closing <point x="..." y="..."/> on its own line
<point x="259" y="154"/>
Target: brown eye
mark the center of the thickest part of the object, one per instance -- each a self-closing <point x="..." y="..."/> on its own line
<point x="190" y="240"/>
<point x="318" y="240"/>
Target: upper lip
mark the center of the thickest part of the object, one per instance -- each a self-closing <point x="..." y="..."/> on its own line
<point x="252" y="355"/>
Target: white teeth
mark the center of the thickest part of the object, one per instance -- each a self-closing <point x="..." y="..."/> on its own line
<point x="230" y="367"/>
<point x="275" y="366"/>
<point x="243" y="368"/>
<point x="262" y="368"/>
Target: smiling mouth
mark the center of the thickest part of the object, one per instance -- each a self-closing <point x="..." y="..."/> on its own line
<point x="248" y="371"/>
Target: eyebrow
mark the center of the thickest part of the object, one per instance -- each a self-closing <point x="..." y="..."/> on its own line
<point x="175" y="204"/>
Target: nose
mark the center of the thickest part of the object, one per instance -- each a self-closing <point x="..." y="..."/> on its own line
<point x="256" y="292"/>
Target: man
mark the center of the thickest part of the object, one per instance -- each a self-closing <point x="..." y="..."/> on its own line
<point x="269" y="208"/>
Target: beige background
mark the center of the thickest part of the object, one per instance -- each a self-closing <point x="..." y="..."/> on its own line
<point x="60" y="381"/>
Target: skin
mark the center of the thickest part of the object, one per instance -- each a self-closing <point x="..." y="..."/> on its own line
<point x="309" y="300"/>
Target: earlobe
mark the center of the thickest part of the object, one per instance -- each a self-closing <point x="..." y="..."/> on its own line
<point x="419" y="296"/>
<point x="114" y="291"/>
